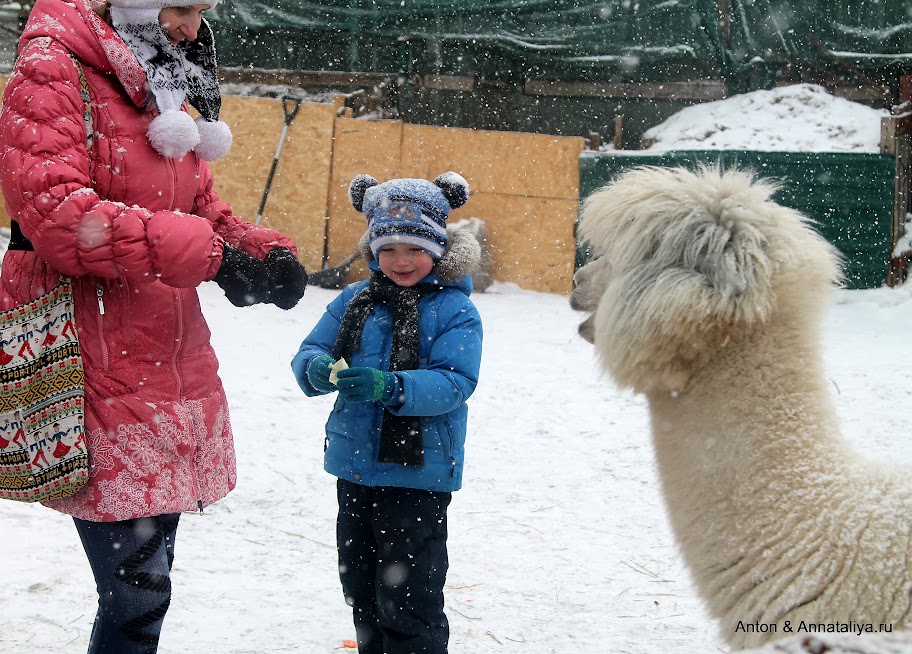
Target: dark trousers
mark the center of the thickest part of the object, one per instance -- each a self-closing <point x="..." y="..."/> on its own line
<point x="131" y="561"/>
<point x="393" y="564"/>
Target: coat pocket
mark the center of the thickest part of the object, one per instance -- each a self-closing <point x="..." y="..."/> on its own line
<point x="447" y="443"/>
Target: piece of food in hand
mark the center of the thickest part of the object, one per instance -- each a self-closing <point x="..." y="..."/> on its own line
<point x="341" y="364"/>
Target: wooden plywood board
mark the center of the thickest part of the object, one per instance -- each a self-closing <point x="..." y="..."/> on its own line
<point x="505" y="163"/>
<point x="346" y="226"/>
<point x="296" y="204"/>
<point x="531" y="239"/>
<point x="368" y="147"/>
<point x="525" y="187"/>
<point x="241" y="174"/>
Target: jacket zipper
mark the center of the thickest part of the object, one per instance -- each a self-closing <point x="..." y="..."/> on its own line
<point x="173" y="186"/>
<point x="179" y="337"/>
<point x="99" y="293"/>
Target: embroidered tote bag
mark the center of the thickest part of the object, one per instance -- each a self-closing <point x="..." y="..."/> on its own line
<point x="43" y="453"/>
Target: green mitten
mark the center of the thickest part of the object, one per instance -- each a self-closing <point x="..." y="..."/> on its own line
<point x="318" y="373"/>
<point x="363" y="384"/>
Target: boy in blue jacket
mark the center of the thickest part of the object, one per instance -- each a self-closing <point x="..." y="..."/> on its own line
<point x="396" y="435"/>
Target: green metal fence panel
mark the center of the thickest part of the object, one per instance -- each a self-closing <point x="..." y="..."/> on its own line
<point x="849" y="196"/>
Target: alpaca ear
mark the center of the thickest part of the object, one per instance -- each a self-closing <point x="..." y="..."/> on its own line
<point x="358" y="188"/>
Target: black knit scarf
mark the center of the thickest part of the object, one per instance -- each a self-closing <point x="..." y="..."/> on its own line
<point x="401" y="437"/>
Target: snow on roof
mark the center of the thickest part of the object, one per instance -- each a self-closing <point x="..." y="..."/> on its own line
<point x="797" y="118"/>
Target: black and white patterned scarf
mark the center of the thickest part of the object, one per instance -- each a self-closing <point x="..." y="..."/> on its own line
<point x="401" y="437"/>
<point x="175" y="72"/>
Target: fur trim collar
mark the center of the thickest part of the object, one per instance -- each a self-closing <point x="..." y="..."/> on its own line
<point x="462" y="255"/>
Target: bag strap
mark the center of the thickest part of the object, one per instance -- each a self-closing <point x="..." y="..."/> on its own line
<point x="86" y="102"/>
<point x="18" y="241"/>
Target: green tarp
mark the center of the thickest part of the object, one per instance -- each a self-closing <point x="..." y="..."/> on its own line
<point x="748" y="43"/>
<point x="849" y="196"/>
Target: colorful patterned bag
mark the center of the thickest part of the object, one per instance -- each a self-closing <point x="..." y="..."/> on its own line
<point x="43" y="454"/>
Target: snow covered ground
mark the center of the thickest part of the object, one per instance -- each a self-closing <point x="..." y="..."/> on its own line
<point x="559" y="541"/>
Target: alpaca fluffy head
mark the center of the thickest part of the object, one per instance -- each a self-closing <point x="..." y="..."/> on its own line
<point x="685" y="260"/>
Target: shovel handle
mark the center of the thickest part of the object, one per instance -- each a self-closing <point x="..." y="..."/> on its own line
<point x="290" y="106"/>
<point x="290" y="112"/>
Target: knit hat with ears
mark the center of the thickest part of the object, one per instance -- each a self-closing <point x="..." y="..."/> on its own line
<point x="408" y="210"/>
<point x="175" y="73"/>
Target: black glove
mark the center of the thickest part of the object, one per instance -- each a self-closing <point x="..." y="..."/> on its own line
<point x="242" y="277"/>
<point x="287" y="278"/>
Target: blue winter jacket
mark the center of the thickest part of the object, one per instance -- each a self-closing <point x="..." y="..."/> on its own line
<point x="450" y="337"/>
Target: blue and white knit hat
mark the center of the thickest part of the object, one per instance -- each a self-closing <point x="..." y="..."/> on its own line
<point x="408" y="210"/>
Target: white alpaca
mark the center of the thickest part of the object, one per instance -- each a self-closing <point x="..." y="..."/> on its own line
<point x="707" y="298"/>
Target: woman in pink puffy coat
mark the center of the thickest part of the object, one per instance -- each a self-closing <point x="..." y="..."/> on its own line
<point x="121" y="200"/>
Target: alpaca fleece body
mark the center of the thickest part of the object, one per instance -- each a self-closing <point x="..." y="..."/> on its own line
<point x="707" y="298"/>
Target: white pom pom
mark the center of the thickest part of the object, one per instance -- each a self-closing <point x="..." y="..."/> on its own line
<point x="173" y="134"/>
<point x="215" y="139"/>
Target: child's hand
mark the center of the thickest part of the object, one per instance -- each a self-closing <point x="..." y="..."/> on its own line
<point x="318" y="373"/>
<point x="363" y="384"/>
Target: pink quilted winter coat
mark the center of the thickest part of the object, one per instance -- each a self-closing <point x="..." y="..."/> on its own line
<point x="138" y="233"/>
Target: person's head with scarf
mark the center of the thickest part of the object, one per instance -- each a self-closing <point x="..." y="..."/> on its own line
<point x="174" y="43"/>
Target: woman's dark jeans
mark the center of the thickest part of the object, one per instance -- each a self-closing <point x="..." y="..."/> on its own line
<point x="131" y="561"/>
